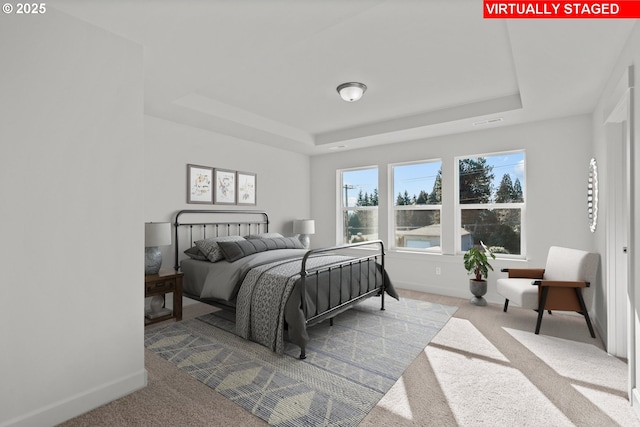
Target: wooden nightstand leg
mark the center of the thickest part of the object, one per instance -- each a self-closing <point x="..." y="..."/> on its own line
<point x="177" y="299"/>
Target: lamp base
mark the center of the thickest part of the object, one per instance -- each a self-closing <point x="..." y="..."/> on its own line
<point x="305" y="240"/>
<point x="152" y="260"/>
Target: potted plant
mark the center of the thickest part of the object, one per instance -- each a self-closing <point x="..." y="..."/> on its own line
<point x="476" y="261"/>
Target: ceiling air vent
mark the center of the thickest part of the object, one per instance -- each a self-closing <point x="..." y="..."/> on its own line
<point x="488" y="121"/>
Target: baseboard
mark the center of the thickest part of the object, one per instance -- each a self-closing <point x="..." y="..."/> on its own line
<point x="73" y="406"/>
<point x="635" y="401"/>
<point x="422" y="287"/>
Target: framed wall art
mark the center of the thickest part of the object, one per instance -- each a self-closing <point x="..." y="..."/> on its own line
<point x="225" y="187"/>
<point x="199" y="184"/>
<point x="247" y="184"/>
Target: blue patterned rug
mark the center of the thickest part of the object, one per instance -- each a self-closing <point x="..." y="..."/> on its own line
<point x="349" y="365"/>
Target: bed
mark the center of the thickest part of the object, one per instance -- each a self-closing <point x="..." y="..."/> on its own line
<point x="270" y="282"/>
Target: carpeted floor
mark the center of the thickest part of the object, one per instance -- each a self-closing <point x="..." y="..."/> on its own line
<point x="485" y="367"/>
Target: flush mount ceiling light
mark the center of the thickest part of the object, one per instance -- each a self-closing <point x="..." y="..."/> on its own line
<point x="351" y="91"/>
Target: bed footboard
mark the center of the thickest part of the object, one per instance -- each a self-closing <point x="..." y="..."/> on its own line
<point x="358" y="278"/>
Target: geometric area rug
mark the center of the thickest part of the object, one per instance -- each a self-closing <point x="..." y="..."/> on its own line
<point x="349" y="365"/>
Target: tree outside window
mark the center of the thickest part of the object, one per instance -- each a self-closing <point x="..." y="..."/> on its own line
<point x="491" y="202"/>
<point x="359" y="200"/>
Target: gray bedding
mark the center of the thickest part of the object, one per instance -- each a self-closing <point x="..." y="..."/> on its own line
<point x="269" y="297"/>
<point x="221" y="280"/>
<point x="265" y="289"/>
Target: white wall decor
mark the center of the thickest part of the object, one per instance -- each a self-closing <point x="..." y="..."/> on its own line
<point x="592" y="195"/>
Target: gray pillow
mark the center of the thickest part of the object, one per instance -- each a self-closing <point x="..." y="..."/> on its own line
<point x="195" y="253"/>
<point x="264" y="236"/>
<point x="209" y="247"/>
<point x="283" y="243"/>
<point x="233" y="251"/>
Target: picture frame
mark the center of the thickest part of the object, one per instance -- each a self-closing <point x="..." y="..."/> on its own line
<point x="199" y="184"/>
<point x="224" y="187"/>
<point x="247" y="183"/>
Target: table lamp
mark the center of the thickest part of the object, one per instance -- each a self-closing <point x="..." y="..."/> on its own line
<point x="304" y="227"/>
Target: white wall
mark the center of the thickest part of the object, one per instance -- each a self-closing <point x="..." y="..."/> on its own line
<point x="71" y="130"/>
<point x="557" y="157"/>
<point x="282" y="176"/>
<point x="630" y="55"/>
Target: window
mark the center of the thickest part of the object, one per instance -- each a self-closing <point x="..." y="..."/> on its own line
<point x="491" y="202"/>
<point x="417" y="201"/>
<point x="358" y="194"/>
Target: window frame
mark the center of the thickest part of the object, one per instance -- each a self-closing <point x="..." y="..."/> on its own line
<point x="340" y="230"/>
<point x="459" y="207"/>
<point x="393" y="208"/>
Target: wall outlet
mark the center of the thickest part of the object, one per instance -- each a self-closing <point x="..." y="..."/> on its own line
<point x="438" y="271"/>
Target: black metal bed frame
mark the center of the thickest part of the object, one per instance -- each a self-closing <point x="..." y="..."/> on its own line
<point x="262" y="226"/>
<point x="258" y="226"/>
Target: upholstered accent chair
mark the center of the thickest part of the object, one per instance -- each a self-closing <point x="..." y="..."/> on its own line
<point x="564" y="284"/>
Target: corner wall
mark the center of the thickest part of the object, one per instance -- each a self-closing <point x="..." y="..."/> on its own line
<point x="557" y="160"/>
<point x="71" y="131"/>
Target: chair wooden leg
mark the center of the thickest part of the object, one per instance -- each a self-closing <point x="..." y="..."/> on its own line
<point x="585" y="313"/>
<point x="506" y="304"/>
<point x="543" y="301"/>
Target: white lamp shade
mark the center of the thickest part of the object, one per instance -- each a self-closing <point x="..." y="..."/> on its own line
<point x="304" y="226"/>
<point x="157" y="234"/>
<point x="351" y="92"/>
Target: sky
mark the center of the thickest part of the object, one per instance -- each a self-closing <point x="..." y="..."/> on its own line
<point x="417" y="177"/>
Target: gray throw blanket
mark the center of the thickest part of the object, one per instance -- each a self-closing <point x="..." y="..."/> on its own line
<point x="263" y="296"/>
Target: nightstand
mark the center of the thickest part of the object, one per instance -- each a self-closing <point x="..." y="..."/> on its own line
<point x="166" y="281"/>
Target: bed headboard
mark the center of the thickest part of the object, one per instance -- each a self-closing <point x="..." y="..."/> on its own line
<point x="196" y="224"/>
